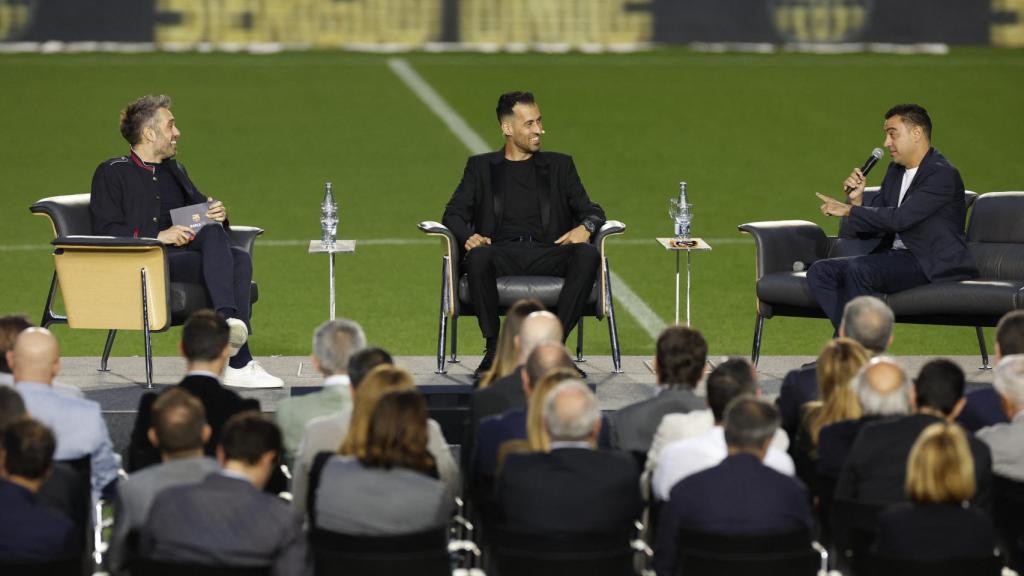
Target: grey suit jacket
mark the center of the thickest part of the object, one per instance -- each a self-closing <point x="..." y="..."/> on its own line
<point x="633" y="427"/>
<point x="224" y="521"/>
<point x="294" y="413"/>
<point x="1006" y="441"/>
<point x="135" y="496"/>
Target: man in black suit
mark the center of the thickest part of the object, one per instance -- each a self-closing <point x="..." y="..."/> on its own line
<point x="875" y="471"/>
<point x="983" y="406"/>
<point x="204" y="344"/>
<point x="520" y="211"/>
<point x="739" y="496"/>
<point x="574" y="488"/>
<point x="917" y="220"/>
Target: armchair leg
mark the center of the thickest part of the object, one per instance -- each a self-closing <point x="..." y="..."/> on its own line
<point x="579" y="341"/>
<point x="613" y="330"/>
<point x="145" y="331"/>
<point x="106" y="350"/>
<point x="755" y="354"/>
<point x="984" y="351"/>
<point x="49" y="316"/>
<point x="454" y="359"/>
<point x="442" y="323"/>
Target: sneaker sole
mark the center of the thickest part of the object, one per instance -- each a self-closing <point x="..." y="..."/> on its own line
<point x="253" y="386"/>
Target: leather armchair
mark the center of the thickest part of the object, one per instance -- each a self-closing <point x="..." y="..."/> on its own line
<point x="455" y="300"/>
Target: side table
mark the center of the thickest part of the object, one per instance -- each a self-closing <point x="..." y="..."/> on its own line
<point x="688" y="246"/>
<point x="340" y="246"/>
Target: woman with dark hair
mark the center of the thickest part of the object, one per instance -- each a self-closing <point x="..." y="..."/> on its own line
<point x="390" y="487"/>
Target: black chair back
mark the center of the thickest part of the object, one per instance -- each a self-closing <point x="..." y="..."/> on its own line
<point x="519" y="554"/>
<point x="854" y="528"/>
<point x="72" y="567"/>
<point x="68" y="490"/>
<point x="709" y="554"/>
<point x="1008" y="517"/>
<point x="144" y="567"/>
<point x="70" y="214"/>
<point x="991" y="565"/>
<point x="421" y="553"/>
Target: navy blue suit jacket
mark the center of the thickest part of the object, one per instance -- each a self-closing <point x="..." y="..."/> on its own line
<point x="983" y="408"/>
<point x="30" y="531"/>
<point x="798" y="387"/>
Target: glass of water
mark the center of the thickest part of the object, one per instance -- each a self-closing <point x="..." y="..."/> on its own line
<point x="682" y="217"/>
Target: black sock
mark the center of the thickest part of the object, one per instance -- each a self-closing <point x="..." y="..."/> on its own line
<point x="492" y="345"/>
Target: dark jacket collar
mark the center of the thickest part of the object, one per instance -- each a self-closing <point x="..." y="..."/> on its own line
<point x="539" y="157"/>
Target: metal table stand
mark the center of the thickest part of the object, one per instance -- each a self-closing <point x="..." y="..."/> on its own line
<point x="688" y="246"/>
<point x="340" y="246"/>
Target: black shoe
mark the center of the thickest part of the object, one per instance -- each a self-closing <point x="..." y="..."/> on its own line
<point x="580" y="370"/>
<point x="485" y="364"/>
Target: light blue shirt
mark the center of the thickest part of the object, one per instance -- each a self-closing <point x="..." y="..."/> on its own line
<point x="78" y="427"/>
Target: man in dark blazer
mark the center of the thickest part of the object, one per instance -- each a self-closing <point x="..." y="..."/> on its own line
<point x="226" y="520"/>
<point x="520" y="211"/>
<point x="983" y="406"/>
<point x="204" y="344"/>
<point x="574" y="488"/>
<point x="680" y="355"/>
<point x="132" y="197"/>
<point x="739" y="496"/>
<point x="917" y="220"/>
<point x="876" y="469"/>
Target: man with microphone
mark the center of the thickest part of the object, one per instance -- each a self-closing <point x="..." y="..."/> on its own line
<point x="520" y="211"/>
<point x="915" y="223"/>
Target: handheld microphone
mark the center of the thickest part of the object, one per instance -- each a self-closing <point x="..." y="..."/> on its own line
<point x="876" y="155"/>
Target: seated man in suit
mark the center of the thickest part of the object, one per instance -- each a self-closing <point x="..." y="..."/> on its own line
<point x="10" y="326"/>
<point x="681" y="458"/>
<point x="1006" y="441"/>
<point x="12" y="407"/>
<point x="77" y="423"/>
<point x="205" y="346"/>
<point x="227" y="520"/>
<point x="30" y="530"/>
<point x="334" y="342"/>
<point x="179" y="430"/>
<point x="741" y="495"/>
<point x="867" y="320"/>
<point x="916" y="221"/>
<point x="681" y="353"/>
<point x="984" y="405"/>
<point x="574" y="488"/>
<point x="876" y="469"/>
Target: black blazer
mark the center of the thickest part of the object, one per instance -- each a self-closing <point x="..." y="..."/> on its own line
<point x="834" y="443"/>
<point x="930" y="221"/>
<point x="934" y="532"/>
<point x="798" y="387"/>
<point x="219" y="403"/>
<point x="877" y="466"/>
<point x="478" y="203"/>
<point x="569" y="490"/>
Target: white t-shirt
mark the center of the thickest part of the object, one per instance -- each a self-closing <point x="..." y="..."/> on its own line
<point x="908" y="177"/>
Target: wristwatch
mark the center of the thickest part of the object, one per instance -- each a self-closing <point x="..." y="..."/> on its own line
<point x="589" y="225"/>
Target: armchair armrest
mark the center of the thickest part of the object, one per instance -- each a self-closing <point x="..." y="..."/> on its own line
<point x="451" y="244"/>
<point x="104" y="242"/>
<point x="610" y="228"/>
<point x="782" y="243"/>
<point x="244" y="236"/>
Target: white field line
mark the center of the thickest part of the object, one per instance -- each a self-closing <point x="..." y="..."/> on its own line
<point x="633" y="304"/>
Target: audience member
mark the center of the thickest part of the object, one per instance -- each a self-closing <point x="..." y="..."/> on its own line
<point x="876" y="470"/>
<point x="537" y="437"/>
<point x="1006" y="441"/>
<point x="30" y="530"/>
<point x="349" y="428"/>
<point x="227" y="520"/>
<point x="334" y="342"/>
<point x="506" y="359"/>
<point x="682" y="458"/>
<point x="681" y="353"/>
<point x="179" y="430"/>
<point x="12" y="407"/>
<point x="573" y="488"/>
<point x="935" y="524"/>
<point x="10" y="326"/>
<point x="389" y="486"/>
<point x="741" y="495"/>
<point x="984" y="406"/>
<point x="76" y="423"/>
<point x="205" y="346"/>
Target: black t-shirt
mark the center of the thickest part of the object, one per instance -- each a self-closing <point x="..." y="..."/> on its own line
<point x="172" y="195"/>
<point x="521" y="216"/>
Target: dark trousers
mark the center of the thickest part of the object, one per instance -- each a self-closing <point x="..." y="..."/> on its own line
<point x="836" y="281"/>
<point x="577" y="263"/>
<point x="210" y="260"/>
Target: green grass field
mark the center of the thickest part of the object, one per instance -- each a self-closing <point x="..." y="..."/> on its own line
<point x="755" y="137"/>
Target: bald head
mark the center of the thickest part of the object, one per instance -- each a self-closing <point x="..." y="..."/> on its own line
<point x="883" y="388"/>
<point x="36" y="356"/>
<point x="538" y="327"/>
<point x="545" y="357"/>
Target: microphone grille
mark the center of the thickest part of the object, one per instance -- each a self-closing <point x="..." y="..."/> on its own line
<point x="877" y="153"/>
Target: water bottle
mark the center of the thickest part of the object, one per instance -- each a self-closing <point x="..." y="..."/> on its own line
<point x="683" y="214"/>
<point x="328" y="218"/>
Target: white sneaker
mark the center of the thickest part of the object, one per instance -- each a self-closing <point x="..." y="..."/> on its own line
<point x="239" y="335"/>
<point x="252" y="375"/>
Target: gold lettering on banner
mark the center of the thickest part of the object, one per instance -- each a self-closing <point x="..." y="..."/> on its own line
<point x="1009" y="35"/>
<point x="14" y="18"/>
<point x="819" y="20"/>
<point x="553" y="21"/>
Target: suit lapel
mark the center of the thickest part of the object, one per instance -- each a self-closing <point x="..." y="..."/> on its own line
<point x="922" y="167"/>
<point x="544" y="188"/>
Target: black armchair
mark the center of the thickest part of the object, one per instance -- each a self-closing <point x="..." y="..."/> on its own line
<point x="784" y="554"/>
<point x="118" y="283"/>
<point x="455" y="292"/>
<point x="785" y="249"/>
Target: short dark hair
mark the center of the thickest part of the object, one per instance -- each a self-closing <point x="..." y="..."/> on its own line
<point x="361" y="363"/>
<point x="248" y="435"/>
<point x="397" y="436"/>
<point x="10" y="326"/>
<point x="12" y="407"/>
<point x="178" y="420"/>
<point x="750" y="423"/>
<point x="28" y="448"/>
<point x="139" y="113"/>
<point x="912" y="114"/>
<point x="508" y="101"/>
<point x="204" y="335"/>
<point x="681" y="354"/>
<point x="940" y="385"/>
<point x="1010" y="333"/>
<point x="728" y="380"/>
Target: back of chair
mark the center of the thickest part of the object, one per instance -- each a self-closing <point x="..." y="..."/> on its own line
<point x="1008" y="516"/>
<point x="784" y="554"/>
<point x="69" y="214"/>
<point x="520" y="554"/>
<point x="69" y="491"/>
<point x="991" y="565"/>
<point x="72" y="567"/>
<point x="995" y="236"/>
<point x="144" y="567"/>
<point x="421" y="553"/>
<point x="854" y="528"/>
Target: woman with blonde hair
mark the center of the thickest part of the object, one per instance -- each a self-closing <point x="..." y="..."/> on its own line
<point x="937" y="523"/>
<point x="506" y="359"/>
